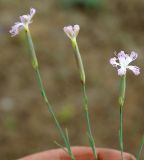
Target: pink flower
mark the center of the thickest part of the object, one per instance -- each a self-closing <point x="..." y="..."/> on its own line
<point x="122" y="61"/>
<point x="25" y="20"/>
<point x="72" y="31"/>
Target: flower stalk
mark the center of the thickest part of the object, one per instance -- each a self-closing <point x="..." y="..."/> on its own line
<point x="85" y="98"/>
<point x="122" y="63"/>
<point x="43" y="93"/>
<point x="121" y="104"/>
<point x="63" y="135"/>
<point x="79" y="61"/>
<point x="31" y="49"/>
<point x="72" y="33"/>
<point x="24" y="25"/>
<point x="140" y="149"/>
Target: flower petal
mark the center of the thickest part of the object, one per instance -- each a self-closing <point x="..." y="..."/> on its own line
<point x="113" y="62"/>
<point x="133" y="55"/>
<point x="121" y="71"/>
<point x="69" y="31"/>
<point x="134" y="69"/>
<point x="32" y="12"/>
<point x="131" y="58"/>
<point x="72" y="31"/>
<point x="122" y="58"/>
<point x="121" y="54"/>
<point x="25" y="19"/>
<point x="16" y="28"/>
<point x="76" y="29"/>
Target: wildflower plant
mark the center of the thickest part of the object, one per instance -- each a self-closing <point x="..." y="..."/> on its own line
<point x="121" y="62"/>
<point x="72" y="32"/>
<point x="24" y="25"/>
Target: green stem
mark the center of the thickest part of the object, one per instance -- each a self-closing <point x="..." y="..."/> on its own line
<point x="85" y="98"/>
<point x="42" y="90"/>
<point x="121" y="132"/>
<point x="90" y="136"/>
<point x="140" y="149"/>
<point x="43" y="93"/>
<point x="121" y="104"/>
<point x="79" y="60"/>
<point x="31" y="49"/>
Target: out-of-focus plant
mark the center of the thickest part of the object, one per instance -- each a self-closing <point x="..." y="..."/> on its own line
<point x="140" y="149"/>
<point x="97" y="4"/>
<point x="66" y="113"/>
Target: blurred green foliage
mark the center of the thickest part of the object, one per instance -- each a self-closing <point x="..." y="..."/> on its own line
<point x="67" y="113"/>
<point x="10" y="123"/>
<point x="97" y="4"/>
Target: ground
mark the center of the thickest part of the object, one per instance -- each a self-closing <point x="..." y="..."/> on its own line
<point x="25" y="125"/>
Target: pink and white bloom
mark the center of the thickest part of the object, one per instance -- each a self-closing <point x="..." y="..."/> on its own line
<point x="25" y="20"/>
<point x="122" y="61"/>
<point x="72" y="31"/>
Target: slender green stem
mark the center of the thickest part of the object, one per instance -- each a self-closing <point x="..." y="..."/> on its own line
<point x="43" y="93"/>
<point x="121" y="104"/>
<point x="90" y="136"/>
<point x="31" y="49"/>
<point x="140" y="149"/>
<point x="85" y="98"/>
<point x="121" y="132"/>
<point x="79" y="61"/>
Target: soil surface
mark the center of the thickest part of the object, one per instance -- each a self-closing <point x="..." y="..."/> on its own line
<point x="25" y="125"/>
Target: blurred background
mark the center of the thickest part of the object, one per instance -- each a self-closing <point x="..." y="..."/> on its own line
<point x="106" y="27"/>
